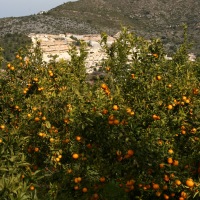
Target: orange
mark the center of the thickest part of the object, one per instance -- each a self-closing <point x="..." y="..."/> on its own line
<point x="104" y="86"/>
<point x="166" y="177"/>
<point x="158" y="77"/>
<point x="170" y="160"/>
<point x="183" y="132"/>
<point x="183" y="194"/>
<point x="175" y="162"/>
<point x="170" y="151"/>
<point x="69" y="171"/>
<point x="89" y="146"/>
<point x="115" y="107"/>
<point x="84" y="190"/>
<point x="189" y="182"/>
<point x="133" y="76"/>
<point x="44" y="118"/>
<point x="104" y="111"/>
<point x="76" y="187"/>
<point x="75" y="156"/>
<point x="78" y="138"/>
<point x="177" y="182"/>
<point x="32" y="188"/>
<point x="158" y="193"/>
<point x="155" y="117"/>
<point x="166" y="196"/>
<point x="130" y="152"/>
<point x="165" y="187"/>
<point x="79" y="179"/>
<point x="172" y="194"/>
<point x="36" y="149"/>
<point x="194" y="130"/>
<point x="155" y="186"/>
<point x="95" y="196"/>
<point x="162" y="165"/>
<point x="195" y="91"/>
<point x="111" y="117"/>
<point x="102" y="179"/>
<point x="169" y="107"/>
<point x="107" y="68"/>
<point x="184" y="98"/>
<point x="128" y="110"/>
<point x="37" y="119"/>
<point x="170" y="85"/>
<point x="116" y="121"/>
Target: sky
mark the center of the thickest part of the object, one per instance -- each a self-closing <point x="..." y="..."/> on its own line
<point x="17" y="8"/>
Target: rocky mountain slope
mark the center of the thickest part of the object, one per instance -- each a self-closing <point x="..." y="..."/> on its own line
<point x="155" y="18"/>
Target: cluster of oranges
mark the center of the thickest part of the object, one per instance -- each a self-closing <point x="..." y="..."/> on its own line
<point x="105" y="88"/>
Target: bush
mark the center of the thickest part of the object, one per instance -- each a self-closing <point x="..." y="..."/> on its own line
<point x="132" y="135"/>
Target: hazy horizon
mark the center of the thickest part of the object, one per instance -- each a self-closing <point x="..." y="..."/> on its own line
<point x="18" y="8"/>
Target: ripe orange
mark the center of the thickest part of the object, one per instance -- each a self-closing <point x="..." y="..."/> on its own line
<point x="95" y="196"/>
<point x="183" y="132"/>
<point x="166" y="196"/>
<point x="183" y="194"/>
<point x="2" y="126"/>
<point x="166" y="178"/>
<point x="169" y="107"/>
<point x="104" y="86"/>
<point x="115" y="107"/>
<point x="155" y="55"/>
<point x="175" y="162"/>
<point x="158" y="77"/>
<point x="44" y="118"/>
<point x="111" y="117"/>
<point x="170" y="151"/>
<point x="75" y="156"/>
<point x="162" y="165"/>
<point x="32" y="188"/>
<point x="36" y="149"/>
<point x="158" y="193"/>
<point x="194" y="130"/>
<point x="116" y="122"/>
<point x="195" y="91"/>
<point x="79" y="179"/>
<point x="189" y="182"/>
<point x="69" y="171"/>
<point x="104" y="111"/>
<point x="169" y="86"/>
<point x="155" y="186"/>
<point x="172" y="194"/>
<point x="170" y="160"/>
<point x="184" y="98"/>
<point x="156" y="117"/>
<point x="78" y="138"/>
<point x="130" y="152"/>
<point x="76" y="187"/>
<point x="177" y="182"/>
<point x="51" y="140"/>
<point x="107" y="68"/>
<point x="37" y="119"/>
<point x="133" y="76"/>
<point x="84" y="190"/>
<point x="102" y="179"/>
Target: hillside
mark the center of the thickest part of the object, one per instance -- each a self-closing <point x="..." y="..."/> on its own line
<point x="155" y="18"/>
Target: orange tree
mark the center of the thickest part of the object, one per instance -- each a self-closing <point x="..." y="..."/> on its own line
<point x="132" y="135"/>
